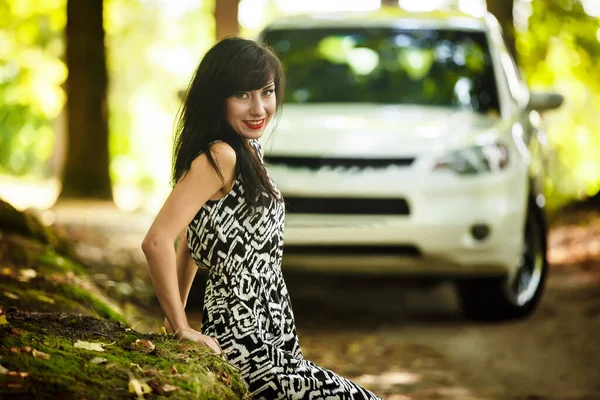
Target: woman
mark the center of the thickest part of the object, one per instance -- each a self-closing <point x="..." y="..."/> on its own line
<point x="231" y="215"/>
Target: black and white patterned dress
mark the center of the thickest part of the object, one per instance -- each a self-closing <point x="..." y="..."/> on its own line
<point x="246" y="303"/>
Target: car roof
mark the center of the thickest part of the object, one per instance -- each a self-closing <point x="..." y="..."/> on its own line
<point x="383" y="17"/>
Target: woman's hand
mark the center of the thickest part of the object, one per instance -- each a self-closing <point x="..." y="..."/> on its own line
<point x="195" y="336"/>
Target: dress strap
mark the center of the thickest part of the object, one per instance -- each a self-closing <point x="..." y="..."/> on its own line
<point x="257" y="146"/>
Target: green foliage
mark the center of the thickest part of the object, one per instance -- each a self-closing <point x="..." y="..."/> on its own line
<point x="560" y="49"/>
<point x="152" y="50"/>
<point x="31" y="75"/>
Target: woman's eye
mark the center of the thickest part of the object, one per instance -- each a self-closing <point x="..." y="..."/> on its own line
<point x="241" y="95"/>
<point x="268" y="92"/>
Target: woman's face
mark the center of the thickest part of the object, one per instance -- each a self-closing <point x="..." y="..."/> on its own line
<point x="249" y="113"/>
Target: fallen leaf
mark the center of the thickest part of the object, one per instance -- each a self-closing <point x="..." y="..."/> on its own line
<point x="14" y="386"/>
<point x="15" y="350"/>
<point x="6" y="271"/>
<point x="3" y="320"/>
<point x="139" y="388"/>
<point x="45" y="299"/>
<point x="183" y="358"/>
<point x="169" y="388"/>
<point x="151" y="372"/>
<point x="135" y="387"/>
<point x="40" y="354"/>
<point x="11" y="295"/>
<point x="143" y="345"/>
<point x="25" y="275"/>
<point x="226" y="379"/>
<point x="98" y="360"/>
<point x="18" y="374"/>
<point x="184" y="347"/>
<point x="174" y="370"/>
<point x="155" y="386"/>
<point x="145" y="388"/>
<point x="88" y="346"/>
<point x="27" y="349"/>
<point x="134" y="365"/>
<point x="3" y="371"/>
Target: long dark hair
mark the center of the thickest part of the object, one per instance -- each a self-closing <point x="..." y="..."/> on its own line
<point x="232" y="65"/>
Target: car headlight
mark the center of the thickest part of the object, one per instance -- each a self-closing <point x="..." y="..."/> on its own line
<point x="491" y="157"/>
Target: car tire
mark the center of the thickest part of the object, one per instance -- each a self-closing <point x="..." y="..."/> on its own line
<point x="497" y="299"/>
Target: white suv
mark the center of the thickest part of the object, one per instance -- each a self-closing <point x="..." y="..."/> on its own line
<point x="410" y="144"/>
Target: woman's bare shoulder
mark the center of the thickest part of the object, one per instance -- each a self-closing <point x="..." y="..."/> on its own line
<point x="221" y="149"/>
<point x="223" y="155"/>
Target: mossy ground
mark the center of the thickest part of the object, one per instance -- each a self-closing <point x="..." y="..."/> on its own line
<point x="34" y="277"/>
<point x="48" y="303"/>
<point x="69" y="372"/>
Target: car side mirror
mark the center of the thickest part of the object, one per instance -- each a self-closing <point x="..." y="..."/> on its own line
<point x="542" y="101"/>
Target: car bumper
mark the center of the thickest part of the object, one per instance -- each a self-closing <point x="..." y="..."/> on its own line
<point x="435" y="238"/>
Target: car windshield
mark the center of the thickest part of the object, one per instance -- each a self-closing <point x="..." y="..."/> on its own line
<point x="440" y="67"/>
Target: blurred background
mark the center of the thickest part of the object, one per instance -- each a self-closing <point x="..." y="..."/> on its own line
<point x="93" y="157"/>
<point x="126" y="82"/>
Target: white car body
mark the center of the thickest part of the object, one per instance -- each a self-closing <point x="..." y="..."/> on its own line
<point x="434" y="235"/>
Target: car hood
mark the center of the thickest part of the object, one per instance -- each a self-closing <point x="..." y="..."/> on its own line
<point x="345" y="130"/>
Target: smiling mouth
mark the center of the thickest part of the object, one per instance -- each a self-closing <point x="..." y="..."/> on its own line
<point x="256" y="124"/>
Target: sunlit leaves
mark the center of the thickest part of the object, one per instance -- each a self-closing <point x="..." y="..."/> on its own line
<point x="558" y="51"/>
<point x="152" y="50"/>
<point x="31" y="75"/>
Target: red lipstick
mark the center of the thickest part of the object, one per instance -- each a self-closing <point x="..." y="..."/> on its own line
<point x="255" y="125"/>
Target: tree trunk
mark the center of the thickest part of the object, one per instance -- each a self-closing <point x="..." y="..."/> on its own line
<point x="86" y="171"/>
<point x="392" y="3"/>
<point x="503" y="11"/>
<point x="226" y="18"/>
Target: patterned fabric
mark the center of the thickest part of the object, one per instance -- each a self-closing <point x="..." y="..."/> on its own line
<point x="246" y="303"/>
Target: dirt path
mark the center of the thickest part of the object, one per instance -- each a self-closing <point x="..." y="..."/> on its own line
<point x="406" y="341"/>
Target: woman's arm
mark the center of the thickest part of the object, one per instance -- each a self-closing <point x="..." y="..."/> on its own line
<point x="197" y="186"/>
<point x="186" y="271"/>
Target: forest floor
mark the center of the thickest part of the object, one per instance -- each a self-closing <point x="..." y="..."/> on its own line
<point x="401" y="339"/>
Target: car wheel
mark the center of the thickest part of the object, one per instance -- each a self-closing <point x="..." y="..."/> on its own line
<point x="494" y="299"/>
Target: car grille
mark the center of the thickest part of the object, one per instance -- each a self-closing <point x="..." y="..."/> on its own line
<point x="332" y="205"/>
<point x="315" y="163"/>
<point x="400" y="250"/>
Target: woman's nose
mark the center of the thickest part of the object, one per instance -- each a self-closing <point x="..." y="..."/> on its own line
<point x="256" y="107"/>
